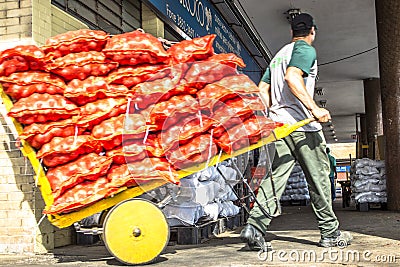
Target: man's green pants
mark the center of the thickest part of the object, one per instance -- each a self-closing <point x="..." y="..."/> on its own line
<point x="308" y="148"/>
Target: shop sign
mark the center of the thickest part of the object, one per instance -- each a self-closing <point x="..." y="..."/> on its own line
<point x="199" y="18"/>
<point x="342" y="168"/>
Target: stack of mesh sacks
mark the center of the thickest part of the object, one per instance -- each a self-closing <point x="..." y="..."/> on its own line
<point x="106" y="113"/>
<point x="296" y="187"/>
<point x="368" y="181"/>
<point x="205" y="194"/>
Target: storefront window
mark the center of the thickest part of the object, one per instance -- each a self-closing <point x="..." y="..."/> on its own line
<point x="113" y="16"/>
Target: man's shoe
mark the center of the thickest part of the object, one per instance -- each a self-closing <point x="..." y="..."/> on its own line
<point x="337" y="239"/>
<point x="254" y="239"/>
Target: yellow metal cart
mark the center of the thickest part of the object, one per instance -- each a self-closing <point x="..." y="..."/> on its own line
<point x="135" y="230"/>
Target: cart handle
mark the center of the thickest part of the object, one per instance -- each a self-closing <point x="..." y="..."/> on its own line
<point x="286" y="129"/>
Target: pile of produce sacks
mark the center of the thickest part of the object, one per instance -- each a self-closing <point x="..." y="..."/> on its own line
<point x="368" y="181"/>
<point x="105" y="113"/>
<point x="296" y="187"/>
<point x="204" y="195"/>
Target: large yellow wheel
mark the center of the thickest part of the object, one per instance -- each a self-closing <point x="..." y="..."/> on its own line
<point x="135" y="231"/>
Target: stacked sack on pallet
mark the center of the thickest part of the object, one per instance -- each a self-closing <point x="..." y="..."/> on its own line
<point x="204" y="195"/>
<point x="296" y="187"/>
<point x="368" y="181"/>
<point x="107" y="113"/>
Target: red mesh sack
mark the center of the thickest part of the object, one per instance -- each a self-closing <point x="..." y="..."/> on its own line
<point x="131" y="76"/>
<point x="191" y="50"/>
<point x="32" y="77"/>
<point x="20" y="91"/>
<point x="61" y="150"/>
<point x="95" y="112"/>
<point x="22" y="58"/>
<point x="247" y="133"/>
<point x="111" y="132"/>
<point x="198" y="150"/>
<point x="74" y="42"/>
<point x="214" y="97"/>
<point x="233" y="112"/>
<point x="148" y="93"/>
<point x="42" y="108"/>
<point x="240" y="84"/>
<point x="161" y="124"/>
<point x="228" y="122"/>
<point x="135" y="126"/>
<point x="239" y="105"/>
<point x="93" y="88"/>
<point x="13" y="64"/>
<point x="226" y="88"/>
<point x="140" y="172"/>
<point x="38" y="134"/>
<point x="205" y="72"/>
<point x="119" y="176"/>
<point x="136" y="47"/>
<point x="182" y="104"/>
<point x="183" y="130"/>
<point x="153" y="146"/>
<point x="162" y="88"/>
<point x="81" y="65"/>
<point x="229" y="59"/>
<point x="86" y="167"/>
<point x="38" y="140"/>
<point x="213" y="94"/>
<point x="136" y="149"/>
<point x="41" y="128"/>
<point x="80" y="196"/>
<point x="253" y="102"/>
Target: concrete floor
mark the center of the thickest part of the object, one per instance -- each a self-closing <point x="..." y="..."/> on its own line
<point x="294" y="237"/>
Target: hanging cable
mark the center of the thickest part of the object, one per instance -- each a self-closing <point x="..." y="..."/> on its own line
<point x="341" y="59"/>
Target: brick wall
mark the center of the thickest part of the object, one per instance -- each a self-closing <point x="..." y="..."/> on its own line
<point x="21" y="203"/>
<point x="61" y="21"/>
<point x="151" y="23"/>
<point x="41" y="18"/>
<point x="15" y="23"/>
<point x="17" y="198"/>
<point x="43" y="13"/>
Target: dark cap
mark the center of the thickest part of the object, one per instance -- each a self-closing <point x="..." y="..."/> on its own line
<point x="302" y="22"/>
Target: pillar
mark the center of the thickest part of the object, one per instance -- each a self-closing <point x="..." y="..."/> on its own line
<point x="362" y="140"/>
<point x="388" y="28"/>
<point x="373" y="112"/>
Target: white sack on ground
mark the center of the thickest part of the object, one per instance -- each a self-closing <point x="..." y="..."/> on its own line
<point x="296" y="187"/>
<point x="368" y="181"/>
<point x="206" y="188"/>
<point x="186" y="213"/>
<point x="228" y="209"/>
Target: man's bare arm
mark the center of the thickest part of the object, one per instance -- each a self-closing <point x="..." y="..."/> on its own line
<point x="265" y="93"/>
<point x="294" y="79"/>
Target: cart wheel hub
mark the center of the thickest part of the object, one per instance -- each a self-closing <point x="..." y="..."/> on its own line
<point x="137" y="232"/>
